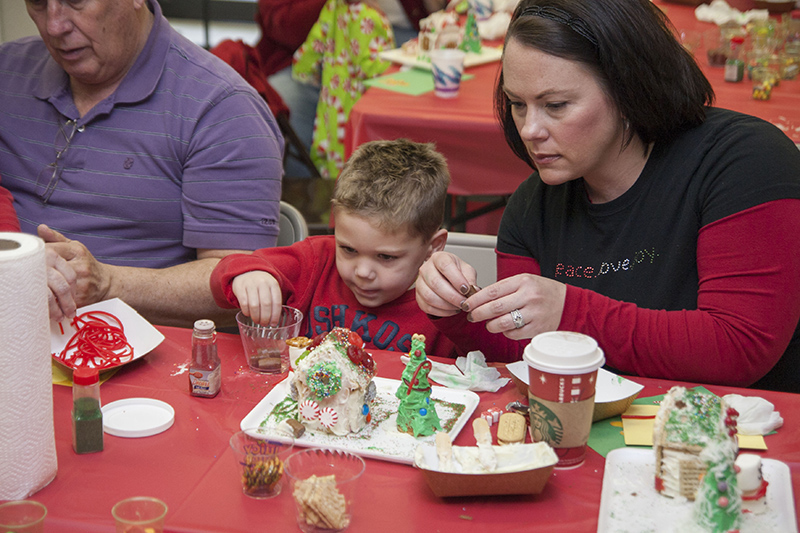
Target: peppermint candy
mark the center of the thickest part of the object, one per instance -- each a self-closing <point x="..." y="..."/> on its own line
<point x="328" y="417"/>
<point x="309" y="409"/>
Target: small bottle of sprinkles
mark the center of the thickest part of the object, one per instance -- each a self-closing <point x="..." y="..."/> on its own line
<point x="87" y="418"/>
<point x="734" y="66"/>
<point x="205" y="374"/>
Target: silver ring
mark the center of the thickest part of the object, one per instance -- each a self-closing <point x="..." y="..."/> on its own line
<point x="516" y="316"/>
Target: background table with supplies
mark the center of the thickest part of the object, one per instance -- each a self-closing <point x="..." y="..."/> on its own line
<point x="466" y="130"/>
<point x="190" y="466"/>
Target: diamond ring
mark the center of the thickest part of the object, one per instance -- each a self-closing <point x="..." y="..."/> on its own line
<point x="516" y="316"/>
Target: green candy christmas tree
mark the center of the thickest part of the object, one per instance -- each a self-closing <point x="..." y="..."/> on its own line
<point x="416" y="414"/>
<point x="472" y="40"/>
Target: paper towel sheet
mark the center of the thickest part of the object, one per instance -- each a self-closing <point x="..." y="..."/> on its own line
<point x="27" y="440"/>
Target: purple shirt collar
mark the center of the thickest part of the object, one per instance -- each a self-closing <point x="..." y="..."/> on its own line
<point x="138" y="84"/>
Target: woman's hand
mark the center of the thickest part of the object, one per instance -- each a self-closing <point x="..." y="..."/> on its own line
<point x="538" y="302"/>
<point x="259" y="296"/>
<point x="443" y="283"/>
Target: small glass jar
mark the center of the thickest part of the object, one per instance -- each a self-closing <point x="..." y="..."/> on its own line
<point x="87" y="417"/>
<point x="764" y="80"/>
<point x="789" y="62"/>
<point x="734" y="65"/>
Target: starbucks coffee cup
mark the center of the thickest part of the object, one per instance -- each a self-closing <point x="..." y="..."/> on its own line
<point x="562" y="372"/>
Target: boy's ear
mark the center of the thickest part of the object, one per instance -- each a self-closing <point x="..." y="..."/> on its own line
<point x="437" y="242"/>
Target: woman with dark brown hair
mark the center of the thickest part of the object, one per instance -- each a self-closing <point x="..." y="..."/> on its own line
<point x="663" y="227"/>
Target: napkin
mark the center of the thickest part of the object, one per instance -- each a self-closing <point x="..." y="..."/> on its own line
<point x="28" y="459"/>
<point x="469" y="373"/>
<point x="720" y="12"/>
<point x="757" y="416"/>
<point x="494" y="27"/>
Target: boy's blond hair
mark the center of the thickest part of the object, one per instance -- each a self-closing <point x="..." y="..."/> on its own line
<point x="400" y="184"/>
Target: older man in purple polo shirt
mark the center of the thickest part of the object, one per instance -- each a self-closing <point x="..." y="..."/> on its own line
<point x="147" y="158"/>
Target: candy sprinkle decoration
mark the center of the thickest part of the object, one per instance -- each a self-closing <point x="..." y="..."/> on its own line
<point x="99" y="342"/>
<point x="325" y="379"/>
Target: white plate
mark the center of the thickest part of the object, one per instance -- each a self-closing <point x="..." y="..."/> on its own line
<point x="141" y="335"/>
<point x="137" y="417"/>
<point x="629" y="501"/>
<point x="378" y="441"/>
<point x="610" y="387"/>
<point x="487" y="54"/>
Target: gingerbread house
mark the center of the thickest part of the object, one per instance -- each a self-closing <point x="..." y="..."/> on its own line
<point x="692" y="432"/>
<point x="332" y="383"/>
<point x="440" y="29"/>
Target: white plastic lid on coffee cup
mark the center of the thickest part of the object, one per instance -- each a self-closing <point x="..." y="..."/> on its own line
<point x="564" y="352"/>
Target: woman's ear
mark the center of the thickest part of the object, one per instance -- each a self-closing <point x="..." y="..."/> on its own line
<point x="437" y="242"/>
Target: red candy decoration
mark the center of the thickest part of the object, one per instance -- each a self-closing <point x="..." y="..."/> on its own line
<point x="99" y="342"/>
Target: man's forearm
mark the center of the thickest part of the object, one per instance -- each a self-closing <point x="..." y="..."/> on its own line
<point x="174" y="296"/>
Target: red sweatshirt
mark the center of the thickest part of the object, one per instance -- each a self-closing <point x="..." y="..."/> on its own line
<point x="8" y="216"/>
<point x="306" y="272"/>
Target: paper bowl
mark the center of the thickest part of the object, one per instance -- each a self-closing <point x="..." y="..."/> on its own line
<point x="449" y="484"/>
<point x="613" y="396"/>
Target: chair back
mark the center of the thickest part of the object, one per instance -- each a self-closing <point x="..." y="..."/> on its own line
<point x="477" y="250"/>
<point x="293" y="227"/>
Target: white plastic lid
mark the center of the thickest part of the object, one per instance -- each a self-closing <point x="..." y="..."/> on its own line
<point x="137" y="417"/>
<point x="564" y="352"/>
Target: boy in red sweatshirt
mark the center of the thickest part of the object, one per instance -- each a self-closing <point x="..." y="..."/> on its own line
<point x="388" y="207"/>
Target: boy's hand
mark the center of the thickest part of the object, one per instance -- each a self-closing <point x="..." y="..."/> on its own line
<point x="259" y="296"/>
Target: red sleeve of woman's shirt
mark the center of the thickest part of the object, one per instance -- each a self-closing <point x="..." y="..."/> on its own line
<point x="748" y="306"/>
<point x="8" y="216"/>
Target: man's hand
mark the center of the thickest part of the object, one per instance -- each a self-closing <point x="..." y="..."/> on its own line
<point x="61" y="282"/>
<point x="92" y="281"/>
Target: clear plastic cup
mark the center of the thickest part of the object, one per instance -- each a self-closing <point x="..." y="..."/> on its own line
<point x="22" y="516"/>
<point x="324" y="486"/>
<point x="265" y="346"/>
<point x="260" y="461"/>
<point x="140" y="514"/>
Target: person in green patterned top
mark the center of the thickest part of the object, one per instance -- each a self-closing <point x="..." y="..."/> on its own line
<point x="340" y="52"/>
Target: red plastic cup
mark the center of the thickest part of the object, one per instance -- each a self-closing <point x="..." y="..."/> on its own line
<point x="562" y="372"/>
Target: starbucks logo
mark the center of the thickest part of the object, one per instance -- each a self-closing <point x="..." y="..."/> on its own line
<point x="545" y="424"/>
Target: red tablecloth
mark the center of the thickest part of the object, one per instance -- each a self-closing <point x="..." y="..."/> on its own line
<point x="190" y="466"/>
<point x="466" y="131"/>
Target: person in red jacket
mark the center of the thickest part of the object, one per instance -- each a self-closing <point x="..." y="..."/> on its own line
<point x="61" y="277"/>
<point x="388" y="205"/>
<point x="665" y="228"/>
<point x="8" y="215"/>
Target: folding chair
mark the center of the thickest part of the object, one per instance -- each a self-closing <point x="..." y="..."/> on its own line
<point x="478" y="251"/>
<point x="293" y="227"/>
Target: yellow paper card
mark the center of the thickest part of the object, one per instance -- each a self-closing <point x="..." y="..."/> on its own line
<point x="637" y="424"/>
<point x="63" y="376"/>
<point x="637" y="427"/>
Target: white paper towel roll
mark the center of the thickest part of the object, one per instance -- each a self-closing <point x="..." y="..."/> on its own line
<point x="27" y="440"/>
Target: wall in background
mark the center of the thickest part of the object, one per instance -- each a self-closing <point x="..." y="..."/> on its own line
<point x="14" y="21"/>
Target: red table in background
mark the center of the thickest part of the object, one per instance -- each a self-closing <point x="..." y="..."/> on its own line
<point x="466" y="131"/>
<point x="190" y="466"/>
